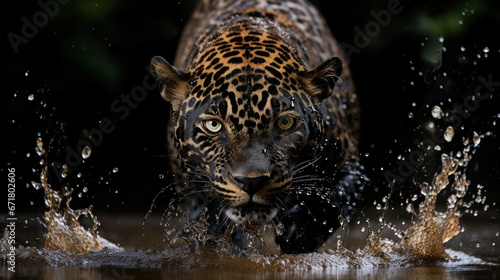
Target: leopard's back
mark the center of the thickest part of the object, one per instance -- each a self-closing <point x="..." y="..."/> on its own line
<point x="309" y="35"/>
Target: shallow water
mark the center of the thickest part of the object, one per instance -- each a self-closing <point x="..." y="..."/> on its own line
<point x="144" y="257"/>
<point x="133" y="264"/>
<point x="116" y="272"/>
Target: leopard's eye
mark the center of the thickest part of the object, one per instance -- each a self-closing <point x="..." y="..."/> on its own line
<point x="285" y="123"/>
<point x="213" y="126"/>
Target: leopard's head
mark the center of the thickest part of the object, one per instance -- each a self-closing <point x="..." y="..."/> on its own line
<point x="247" y="116"/>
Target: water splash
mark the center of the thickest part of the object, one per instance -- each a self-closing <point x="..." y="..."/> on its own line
<point x="429" y="230"/>
<point x="64" y="231"/>
<point x="423" y="241"/>
<point x="194" y="246"/>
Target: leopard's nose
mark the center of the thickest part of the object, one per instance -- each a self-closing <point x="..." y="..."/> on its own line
<point x="252" y="185"/>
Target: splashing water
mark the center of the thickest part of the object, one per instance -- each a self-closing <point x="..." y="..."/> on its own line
<point x="64" y="231"/>
<point x="421" y="242"/>
<point x="429" y="229"/>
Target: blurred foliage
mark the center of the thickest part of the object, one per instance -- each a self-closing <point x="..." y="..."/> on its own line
<point x="451" y="21"/>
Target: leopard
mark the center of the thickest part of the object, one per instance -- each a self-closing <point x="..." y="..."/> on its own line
<point x="264" y="121"/>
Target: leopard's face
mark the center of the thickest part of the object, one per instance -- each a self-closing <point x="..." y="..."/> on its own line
<point x="246" y="118"/>
<point x="248" y="139"/>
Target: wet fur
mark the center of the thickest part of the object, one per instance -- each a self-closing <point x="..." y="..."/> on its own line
<point x="255" y="66"/>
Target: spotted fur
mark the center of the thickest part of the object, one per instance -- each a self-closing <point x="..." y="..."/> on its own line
<point x="263" y="112"/>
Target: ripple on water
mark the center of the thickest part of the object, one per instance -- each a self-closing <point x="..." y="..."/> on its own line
<point x="211" y="257"/>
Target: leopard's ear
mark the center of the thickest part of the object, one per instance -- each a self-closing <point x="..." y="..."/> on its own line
<point x="320" y="81"/>
<point x="173" y="81"/>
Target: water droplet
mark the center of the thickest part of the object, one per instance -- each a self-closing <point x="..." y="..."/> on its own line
<point x="449" y="133"/>
<point x="39" y="147"/>
<point x="410" y="115"/>
<point x="115" y="169"/>
<point x="36" y="185"/>
<point x="462" y="49"/>
<point x="26" y="73"/>
<point x="436" y="112"/>
<point x="441" y="39"/>
<point x="64" y="171"/>
<point x="86" y="152"/>
<point x="477" y="139"/>
<point x="409" y="208"/>
<point x="31" y="97"/>
<point x="486" y="50"/>
<point x="85" y="189"/>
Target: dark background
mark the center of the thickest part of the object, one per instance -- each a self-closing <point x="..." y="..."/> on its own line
<point x="90" y="53"/>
